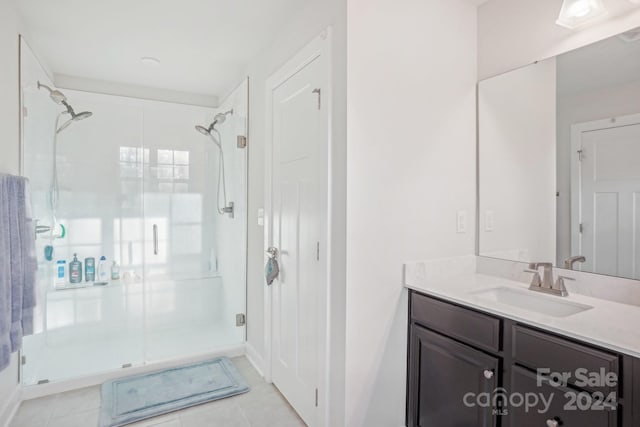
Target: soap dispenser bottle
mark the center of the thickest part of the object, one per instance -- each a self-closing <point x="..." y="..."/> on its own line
<point x="75" y="270"/>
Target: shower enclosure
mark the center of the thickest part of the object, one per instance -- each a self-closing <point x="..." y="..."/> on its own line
<point x="137" y="185"/>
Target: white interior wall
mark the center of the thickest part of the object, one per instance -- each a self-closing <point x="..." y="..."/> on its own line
<point x="513" y="33"/>
<point x="517" y="158"/>
<point x="9" y="157"/>
<point x="411" y="167"/>
<point x="598" y="104"/>
<point x="296" y="34"/>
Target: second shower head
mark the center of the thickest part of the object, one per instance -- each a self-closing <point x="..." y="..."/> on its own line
<point x="203" y="130"/>
<point x="74" y="118"/>
<point x="217" y="120"/>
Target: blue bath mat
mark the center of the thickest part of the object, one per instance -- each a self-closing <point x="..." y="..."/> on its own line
<point x="136" y="398"/>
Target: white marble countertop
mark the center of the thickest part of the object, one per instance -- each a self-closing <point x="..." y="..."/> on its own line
<point x="608" y="324"/>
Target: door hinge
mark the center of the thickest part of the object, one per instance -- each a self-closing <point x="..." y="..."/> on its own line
<point x="241" y="319"/>
<point x="580" y="228"/>
<point x="316" y="398"/>
<point x="580" y="155"/>
<point x="319" y="92"/>
<point x="241" y="141"/>
<point x="23" y="360"/>
<point x="317" y="251"/>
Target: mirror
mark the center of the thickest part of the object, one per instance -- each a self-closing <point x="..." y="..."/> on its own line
<point x="559" y="160"/>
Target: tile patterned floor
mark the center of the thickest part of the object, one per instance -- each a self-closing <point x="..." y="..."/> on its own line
<point x="263" y="406"/>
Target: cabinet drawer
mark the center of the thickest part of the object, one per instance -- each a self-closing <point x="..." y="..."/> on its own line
<point x="539" y="350"/>
<point x="561" y="408"/>
<point x="467" y="325"/>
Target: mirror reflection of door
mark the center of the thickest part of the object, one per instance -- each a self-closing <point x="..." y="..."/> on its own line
<point x="606" y="191"/>
<point x="539" y="199"/>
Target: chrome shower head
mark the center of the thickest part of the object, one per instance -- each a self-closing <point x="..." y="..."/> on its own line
<point x="57" y="96"/>
<point x="203" y="130"/>
<point x="74" y="117"/>
<point x="82" y="116"/>
<point x="217" y="120"/>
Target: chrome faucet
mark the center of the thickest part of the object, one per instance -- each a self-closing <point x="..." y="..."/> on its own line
<point x="547" y="277"/>
<point x="569" y="262"/>
<point x="546" y="284"/>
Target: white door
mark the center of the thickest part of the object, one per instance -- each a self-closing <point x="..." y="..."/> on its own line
<point x="299" y="212"/>
<point x="609" y="197"/>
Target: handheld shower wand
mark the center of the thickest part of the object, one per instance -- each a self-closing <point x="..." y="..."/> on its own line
<point x="54" y="193"/>
<point x="222" y="185"/>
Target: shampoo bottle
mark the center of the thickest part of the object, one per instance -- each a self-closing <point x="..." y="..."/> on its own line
<point x="90" y="269"/>
<point x="115" y="271"/>
<point x="61" y="272"/>
<point x="75" y="270"/>
<point x="103" y="270"/>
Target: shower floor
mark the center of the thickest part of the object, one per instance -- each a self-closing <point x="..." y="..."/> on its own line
<point x="98" y="355"/>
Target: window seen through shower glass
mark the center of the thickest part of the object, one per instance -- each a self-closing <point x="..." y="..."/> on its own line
<point x="173" y="164"/>
<point x="134" y="161"/>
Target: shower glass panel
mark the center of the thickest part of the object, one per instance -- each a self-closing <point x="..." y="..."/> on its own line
<point x="83" y="330"/>
<point x="190" y="294"/>
<point x="138" y="186"/>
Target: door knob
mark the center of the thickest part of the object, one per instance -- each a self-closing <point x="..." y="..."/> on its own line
<point x="488" y="374"/>
<point x="272" y="252"/>
<point x="552" y="423"/>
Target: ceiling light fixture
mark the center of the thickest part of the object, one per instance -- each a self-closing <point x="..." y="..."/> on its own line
<point x="150" y="60"/>
<point x="575" y="13"/>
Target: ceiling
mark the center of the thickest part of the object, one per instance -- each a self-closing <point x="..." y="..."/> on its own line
<point x="610" y="62"/>
<point x="204" y="45"/>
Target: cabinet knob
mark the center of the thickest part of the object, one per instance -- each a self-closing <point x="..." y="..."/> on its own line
<point x="488" y="374"/>
<point x="552" y="423"/>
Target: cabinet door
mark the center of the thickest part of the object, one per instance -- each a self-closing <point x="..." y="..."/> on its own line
<point x="562" y="411"/>
<point x="441" y="373"/>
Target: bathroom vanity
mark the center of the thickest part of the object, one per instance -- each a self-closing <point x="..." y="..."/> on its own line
<point x="557" y="187"/>
<point x="472" y="367"/>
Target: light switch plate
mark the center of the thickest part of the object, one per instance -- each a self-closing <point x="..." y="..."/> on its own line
<point x="461" y="226"/>
<point x="261" y="217"/>
<point x="489" y="221"/>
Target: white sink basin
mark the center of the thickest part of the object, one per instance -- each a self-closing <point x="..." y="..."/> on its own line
<point x="531" y="301"/>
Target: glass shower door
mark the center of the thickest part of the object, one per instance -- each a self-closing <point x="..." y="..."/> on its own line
<point x="79" y="329"/>
<point x="137" y="185"/>
<point x="186" y="301"/>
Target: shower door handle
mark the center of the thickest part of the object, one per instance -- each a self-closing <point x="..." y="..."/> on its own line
<point x="155" y="239"/>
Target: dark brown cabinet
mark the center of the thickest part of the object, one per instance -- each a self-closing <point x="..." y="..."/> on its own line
<point x="449" y="374"/>
<point x="467" y="368"/>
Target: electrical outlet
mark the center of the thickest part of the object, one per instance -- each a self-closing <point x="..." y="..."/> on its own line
<point x="462" y="222"/>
